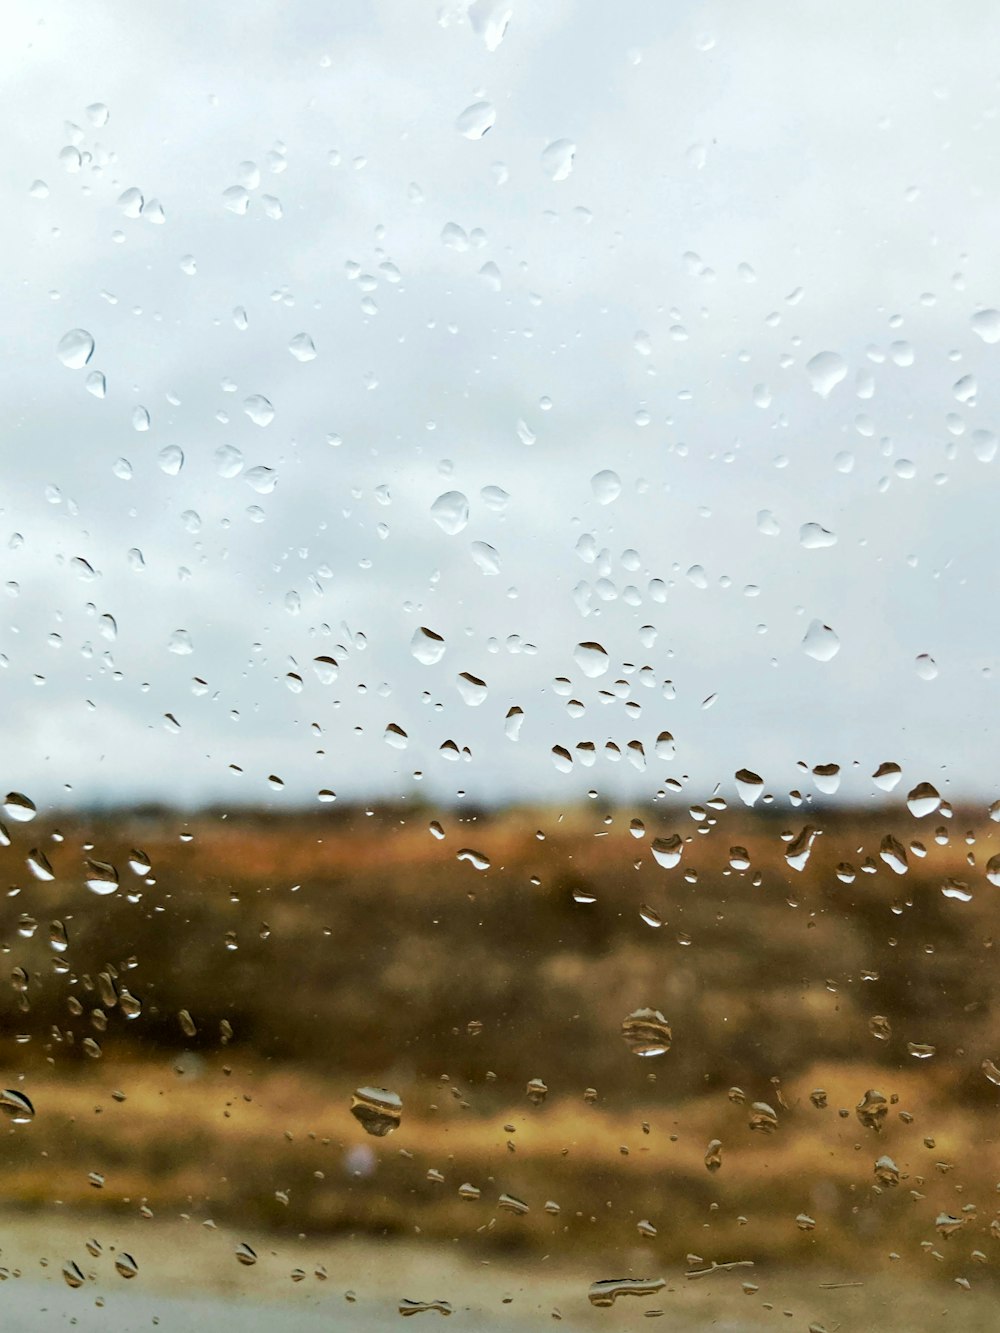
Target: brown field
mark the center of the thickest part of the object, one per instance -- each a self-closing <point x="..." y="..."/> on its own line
<point x="356" y="949"/>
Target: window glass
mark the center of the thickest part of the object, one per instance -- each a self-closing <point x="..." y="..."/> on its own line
<point x="499" y="667"/>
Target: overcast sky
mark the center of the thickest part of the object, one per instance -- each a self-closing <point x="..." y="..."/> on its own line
<point x="601" y="239"/>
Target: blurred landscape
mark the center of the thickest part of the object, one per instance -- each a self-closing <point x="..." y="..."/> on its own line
<point x="274" y="965"/>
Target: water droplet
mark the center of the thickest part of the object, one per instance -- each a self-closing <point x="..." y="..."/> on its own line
<point x="536" y="1091"/>
<point x="476" y="120"/>
<point x="180" y="643"/>
<point x="486" y="557"/>
<point x="749" y="785"/>
<point x="646" y="1032"/>
<point x="75" y="349"/>
<point x="258" y="409"/>
<point x="245" y="1254"/>
<point x="763" y="1118"/>
<point x="228" y="460"/>
<point x="923" y="800"/>
<point x="96" y="383"/>
<point x="713" y="1155"/>
<point x="472" y="689"/>
<point x="827" y="778"/>
<point x="38" y="863"/>
<point x="72" y="1274"/>
<point x="97" y="114"/>
<point x="814" y="537"/>
<point x="606" y="485"/>
<point x="513" y="722"/>
<point x="946" y="1225"/>
<point x="451" y="512"/>
<point x="872" y="1110"/>
<point x="986" y="323"/>
<point x="927" y="668"/>
<point x="665" y="747"/>
<point x="920" y="1050"/>
<point x="557" y="159"/>
<point x="426" y="646"/>
<point x="886" y="1172"/>
<point x="19" y="807"/>
<point x="607" y="1290"/>
<point x="991" y="1071"/>
<point x="130" y="202"/>
<point x="893" y="853"/>
<point x="377" y="1110"/>
<point x="509" y="1203"/>
<point x="667" y="851"/>
<point x="408" y="1307"/>
<point x="887" y="776"/>
<point x="261" y="479"/>
<point x="125" y="1265"/>
<point x="592" y="659"/>
<point x="171" y="459"/>
<point x="479" y="860"/>
<point x="101" y="877"/>
<point x="826" y="370"/>
<point x="140" y="418"/>
<point x="880" y="1027"/>
<point x="820" y="642"/>
<point x="302" y="347"/>
<point x="236" y="199"/>
<point x="16" y="1106"/>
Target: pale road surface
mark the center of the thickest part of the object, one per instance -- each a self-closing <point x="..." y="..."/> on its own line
<point x="189" y="1280"/>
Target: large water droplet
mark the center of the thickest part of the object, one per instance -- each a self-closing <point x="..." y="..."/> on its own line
<point x="302" y="347"/>
<point x="451" y="512"/>
<point x="887" y="776"/>
<point x="489" y="20"/>
<point x="607" y="1290"/>
<point x="667" y="851"/>
<point x="19" y="807"/>
<point x="426" y="646"/>
<point x="101" y="877"/>
<point x="987" y="324"/>
<point x="820" y="642"/>
<point x="410" y="1307"/>
<point x="258" y="409"/>
<point x="872" y="1109"/>
<point x="646" y="1032"/>
<point x="16" y="1106"/>
<point x="825" y="371"/>
<point x="236" y="199"/>
<point x="813" y="537"/>
<point x="471" y="688"/>
<point x="606" y="485"/>
<point x="557" y="159"/>
<point x="923" y="800"/>
<point x="476" y="120"/>
<point x="592" y="659"/>
<point x="125" y="1265"/>
<point x="75" y="349"/>
<point x="377" y="1110"/>
<point x="749" y="785"/>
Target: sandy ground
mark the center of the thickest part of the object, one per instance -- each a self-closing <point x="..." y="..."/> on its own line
<point x="189" y="1279"/>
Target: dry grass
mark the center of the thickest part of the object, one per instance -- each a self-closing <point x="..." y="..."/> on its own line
<point x="381" y="948"/>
